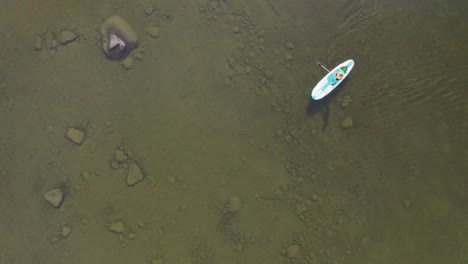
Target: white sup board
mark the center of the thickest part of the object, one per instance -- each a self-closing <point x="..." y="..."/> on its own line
<point x="329" y="82"/>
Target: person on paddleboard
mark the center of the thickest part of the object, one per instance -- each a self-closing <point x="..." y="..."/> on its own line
<point x="338" y="76"/>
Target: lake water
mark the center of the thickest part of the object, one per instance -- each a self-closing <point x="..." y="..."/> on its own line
<point x="208" y="149"/>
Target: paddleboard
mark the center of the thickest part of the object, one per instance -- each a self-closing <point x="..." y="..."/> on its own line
<point x="329" y="82"/>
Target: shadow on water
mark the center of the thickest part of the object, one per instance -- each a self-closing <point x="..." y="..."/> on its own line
<point x="322" y="105"/>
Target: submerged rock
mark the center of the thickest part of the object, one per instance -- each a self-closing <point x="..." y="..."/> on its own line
<point x="347" y="123"/>
<point x="234" y="205"/>
<point x="118" y="38"/>
<point x="153" y="31"/>
<point x="134" y="175"/>
<point x="75" y="135"/>
<point x="54" y="197"/>
<point x="292" y="251"/>
<point x="117" y="227"/>
<point x="66" y="36"/>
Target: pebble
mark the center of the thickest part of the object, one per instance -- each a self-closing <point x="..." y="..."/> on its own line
<point x="234" y="205"/>
<point x="290" y="46"/>
<point x="138" y="56"/>
<point x="214" y="5"/>
<point x="140" y="224"/>
<point x="134" y="175"/>
<point x="38" y="42"/>
<point x="120" y="155"/>
<point x="156" y="261"/>
<point x="347" y="123"/>
<point x="407" y="203"/>
<point x="153" y="31"/>
<point x="114" y="164"/>
<point x="50" y="129"/>
<point x="66" y="231"/>
<point x="244" y="158"/>
<point x="51" y="42"/>
<point x="346" y="100"/>
<point x="75" y="135"/>
<point x="92" y="148"/>
<point x="300" y="208"/>
<point x="54" y="197"/>
<point x="117" y="227"/>
<point x="85" y="175"/>
<point x="131" y="236"/>
<point x="292" y="251"/>
<point x="268" y="74"/>
<point x="55" y="151"/>
<point x="67" y="36"/>
<point x="127" y="63"/>
<point x="149" y="11"/>
<point x="314" y="196"/>
<point x="171" y="179"/>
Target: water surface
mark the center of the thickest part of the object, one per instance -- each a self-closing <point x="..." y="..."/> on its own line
<point x="240" y="166"/>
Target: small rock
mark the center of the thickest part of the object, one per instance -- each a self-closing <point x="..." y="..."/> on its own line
<point x="65" y="231"/>
<point x="75" y="135"/>
<point x="120" y="155"/>
<point x="268" y="74"/>
<point x="347" y="123"/>
<point x="127" y="63"/>
<point x="50" y="129"/>
<point x="236" y="29"/>
<point x="214" y="5"/>
<point x="134" y="175"/>
<point x="51" y="42"/>
<point x="140" y="224"/>
<point x="85" y="175"/>
<point x="232" y="62"/>
<point x="292" y="251"/>
<point x="138" y="56"/>
<point x="149" y="11"/>
<point x="153" y="31"/>
<point x="66" y="37"/>
<point x="117" y="227"/>
<point x="239" y="69"/>
<point x="38" y="42"/>
<point x="244" y="158"/>
<point x="234" y="205"/>
<point x="156" y="261"/>
<point x="131" y="236"/>
<point x="171" y="179"/>
<point x="406" y="203"/>
<point x="365" y="241"/>
<point x="114" y="164"/>
<point x="54" y="197"/>
<point x="346" y="100"/>
<point x="314" y="196"/>
<point x="290" y="46"/>
<point x="92" y="148"/>
<point x="300" y="208"/>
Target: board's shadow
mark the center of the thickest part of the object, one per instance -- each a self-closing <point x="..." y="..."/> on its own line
<point x="321" y="106"/>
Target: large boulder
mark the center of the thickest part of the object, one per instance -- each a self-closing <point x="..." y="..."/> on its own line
<point x="118" y="38"/>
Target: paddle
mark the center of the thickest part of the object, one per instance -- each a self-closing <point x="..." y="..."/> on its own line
<point x="319" y="64"/>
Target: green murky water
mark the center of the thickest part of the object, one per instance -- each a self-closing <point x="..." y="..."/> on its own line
<point x="238" y="165"/>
